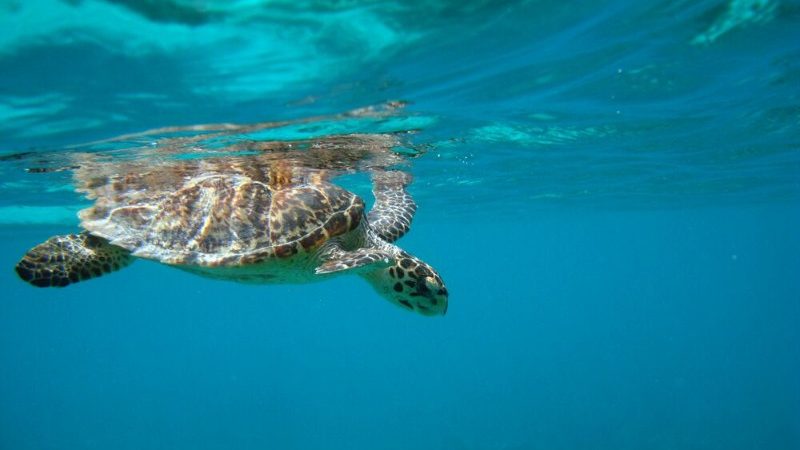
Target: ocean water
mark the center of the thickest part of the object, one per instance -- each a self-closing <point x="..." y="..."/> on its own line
<point x="610" y="190"/>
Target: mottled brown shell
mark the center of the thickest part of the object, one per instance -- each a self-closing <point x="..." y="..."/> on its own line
<point x="215" y="212"/>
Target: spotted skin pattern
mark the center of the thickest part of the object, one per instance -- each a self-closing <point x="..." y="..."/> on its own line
<point x="394" y="208"/>
<point x="412" y="284"/>
<point x="63" y="260"/>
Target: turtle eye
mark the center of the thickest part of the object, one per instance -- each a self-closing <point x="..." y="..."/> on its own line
<point x="422" y="271"/>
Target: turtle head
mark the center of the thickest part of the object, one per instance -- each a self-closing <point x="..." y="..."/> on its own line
<point x="411" y="284"/>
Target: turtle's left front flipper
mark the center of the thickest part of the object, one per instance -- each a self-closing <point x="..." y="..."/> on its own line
<point x="368" y="258"/>
<point x="62" y="260"/>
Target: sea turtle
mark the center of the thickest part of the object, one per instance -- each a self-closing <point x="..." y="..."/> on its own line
<point x="250" y="220"/>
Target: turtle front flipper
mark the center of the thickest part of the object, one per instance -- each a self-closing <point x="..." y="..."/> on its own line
<point x="399" y="277"/>
<point x="339" y="260"/>
<point x="394" y="208"/>
<point x="62" y="260"/>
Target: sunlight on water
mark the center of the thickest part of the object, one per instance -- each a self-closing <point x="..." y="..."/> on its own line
<point x="609" y="120"/>
<point x="739" y="13"/>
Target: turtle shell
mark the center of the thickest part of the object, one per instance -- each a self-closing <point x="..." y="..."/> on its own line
<point x="213" y="213"/>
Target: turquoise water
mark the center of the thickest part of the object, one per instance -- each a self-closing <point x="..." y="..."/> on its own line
<point x="609" y="189"/>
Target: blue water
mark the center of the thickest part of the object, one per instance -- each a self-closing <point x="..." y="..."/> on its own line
<point x="609" y="189"/>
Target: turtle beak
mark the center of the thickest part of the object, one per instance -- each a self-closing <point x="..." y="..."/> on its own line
<point x="443" y="299"/>
<point x="436" y="294"/>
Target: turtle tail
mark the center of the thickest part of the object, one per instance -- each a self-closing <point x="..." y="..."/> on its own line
<point x="62" y="260"/>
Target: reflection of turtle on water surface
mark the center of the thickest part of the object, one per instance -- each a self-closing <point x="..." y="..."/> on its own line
<point x="254" y="219"/>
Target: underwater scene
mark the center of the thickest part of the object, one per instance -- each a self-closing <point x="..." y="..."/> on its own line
<point x="444" y="225"/>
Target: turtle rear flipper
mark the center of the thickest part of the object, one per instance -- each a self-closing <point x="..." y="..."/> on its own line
<point x="62" y="260"/>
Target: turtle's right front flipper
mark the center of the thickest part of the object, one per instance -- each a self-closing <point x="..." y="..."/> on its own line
<point x="394" y="208"/>
<point x="62" y="260"/>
